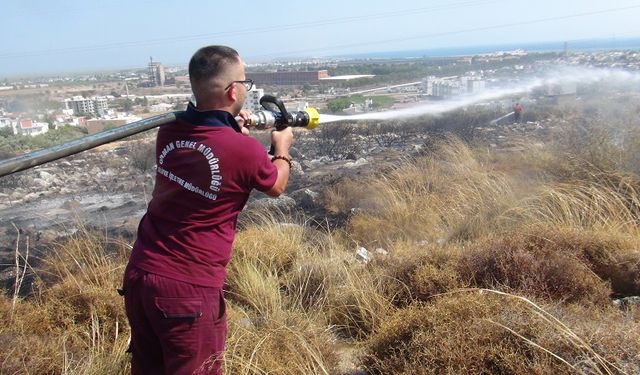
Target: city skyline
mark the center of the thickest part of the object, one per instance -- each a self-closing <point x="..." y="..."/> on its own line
<point x="83" y="36"/>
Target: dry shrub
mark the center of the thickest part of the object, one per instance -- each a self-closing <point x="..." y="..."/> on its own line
<point x="268" y="255"/>
<point x="273" y="244"/>
<point x="346" y="195"/>
<point x="358" y="302"/>
<point x="310" y="279"/>
<point x="447" y="194"/>
<point x="292" y="343"/>
<point x="487" y="333"/>
<point x="613" y="257"/>
<point x="417" y="270"/>
<point x="583" y="205"/>
<point x="79" y="280"/>
<point x="254" y="285"/>
<point x="74" y="322"/>
<point x="142" y="155"/>
<point x="280" y="267"/>
<point x="542" y="264"/>
<point x="433" y="278"/>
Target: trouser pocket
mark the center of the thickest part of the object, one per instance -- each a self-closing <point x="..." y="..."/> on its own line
<point x="220" y="311"/>
<point x="179" y="307"/>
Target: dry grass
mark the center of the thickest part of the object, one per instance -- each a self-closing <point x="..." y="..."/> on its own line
<point x="74" y="321"/>
<point x="446" y="195"/>
<point x="291" y="343"/>
<point x="597" y="206"/>
<point x="476" y="332"/>
<point x="288" y="267"/>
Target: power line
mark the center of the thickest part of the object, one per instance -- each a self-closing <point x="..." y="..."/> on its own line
<point x="249" y="31"/>
<point x="445" y="33"/>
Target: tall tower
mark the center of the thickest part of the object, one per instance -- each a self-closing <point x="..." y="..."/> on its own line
<point x="156" y="73"/>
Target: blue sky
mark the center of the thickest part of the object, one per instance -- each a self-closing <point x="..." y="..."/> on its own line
<point x="41" y="36"/>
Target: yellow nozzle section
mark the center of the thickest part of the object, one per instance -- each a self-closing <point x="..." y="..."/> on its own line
<point x="314" y="117"/>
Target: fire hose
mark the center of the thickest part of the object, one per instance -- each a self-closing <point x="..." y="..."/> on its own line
<point x="274" y="115"/>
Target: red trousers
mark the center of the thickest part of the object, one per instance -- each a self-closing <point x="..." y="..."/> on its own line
<point x="176" y="327"/>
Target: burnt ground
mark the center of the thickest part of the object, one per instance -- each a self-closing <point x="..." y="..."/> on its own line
<point x="108" y="188"/>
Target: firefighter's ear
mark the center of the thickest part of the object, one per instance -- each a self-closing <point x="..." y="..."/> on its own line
<point x="231" y="92"/>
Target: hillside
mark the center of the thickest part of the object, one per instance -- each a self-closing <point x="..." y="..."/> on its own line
<point x="424" y="246"/>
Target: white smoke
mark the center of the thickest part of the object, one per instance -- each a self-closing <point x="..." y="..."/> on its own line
<point x="559" y="75"/>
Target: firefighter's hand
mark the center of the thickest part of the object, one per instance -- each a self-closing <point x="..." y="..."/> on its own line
<point x="282" y="141"/>
<point x="241" y="119"/>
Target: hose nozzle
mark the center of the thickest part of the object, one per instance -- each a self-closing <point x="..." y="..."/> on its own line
<point x="276" y="115"/>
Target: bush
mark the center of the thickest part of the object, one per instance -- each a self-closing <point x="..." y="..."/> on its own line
<point x="478" y="332"/>
<point x="541" y="264"/>
<point x="142" y="155"/>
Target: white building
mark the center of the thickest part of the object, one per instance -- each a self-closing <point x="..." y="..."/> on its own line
<point x="100" y="105"/>
<point x="447" y="88"/>
<point x="80" y="105"/>
<point x="29" y="127"/>
<point x="252" y="103"/>
<point x="161" y="107"/>
<point x="475" y="85"/>
<point x="96" y="106"/>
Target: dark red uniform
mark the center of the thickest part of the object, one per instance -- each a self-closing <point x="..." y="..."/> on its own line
<point x="173" y="283"/>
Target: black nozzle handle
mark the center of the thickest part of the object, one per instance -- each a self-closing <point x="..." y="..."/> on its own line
<point x="273" y="104"/>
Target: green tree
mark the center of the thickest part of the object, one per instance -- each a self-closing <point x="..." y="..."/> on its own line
<point x="338" y="104"/>
<point x="6" y="132"/>
<point x="127" y="104"/>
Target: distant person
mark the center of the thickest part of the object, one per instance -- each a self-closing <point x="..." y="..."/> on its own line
<point x="206" y="168"/>
<point x="517" y="113"/>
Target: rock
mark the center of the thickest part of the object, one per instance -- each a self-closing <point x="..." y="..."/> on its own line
<point x="356" y="163"/>
<point x="31" y="196"/>
<point x="381" y="251"/>
<point x="363" y="255"/>
<point x="71" y="205"/>
<point x="295" y="153"/>
<point x="305" y="198"/>
<point x="296" y="168"/>
<point x="281" y="203"/>
<point x="46" y="176"/>
<point x="40" y="182"/>
<point x="351" y="156"/>
<point x="627" y="303"/>
<point x="307" y="164"/>
<point x="108" y="173"/>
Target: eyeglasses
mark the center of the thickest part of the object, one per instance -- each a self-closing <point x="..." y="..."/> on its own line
<point x="248" y="84"/>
